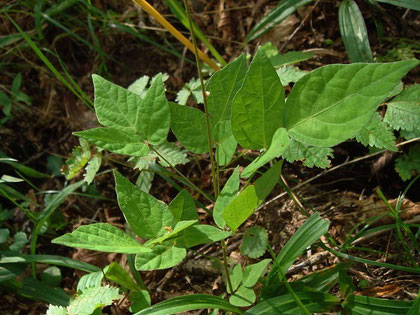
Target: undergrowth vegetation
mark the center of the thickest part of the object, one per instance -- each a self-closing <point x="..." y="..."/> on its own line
<point x="238" y="123"/>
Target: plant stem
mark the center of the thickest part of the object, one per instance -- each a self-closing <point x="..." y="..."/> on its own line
<point x="287" y="284"/>
<point x="179" y="173"/>
<point x="213" y="169"/>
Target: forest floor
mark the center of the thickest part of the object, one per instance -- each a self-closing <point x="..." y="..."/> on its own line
<point x="345" y="193"/>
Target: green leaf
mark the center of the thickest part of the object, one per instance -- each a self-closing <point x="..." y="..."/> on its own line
<point x="100" y="237"/>
<point x="358" y="304"/>
<point x="171" y="153"/>
<point x="255" y="241"/>
<point x="93" y="279"/>
<point x="116" y="141"/>
<point x="56" y="310"/>
<point x="307" y="234"/>
<point x="193" y="87"/>
<point x="290" y="74"/>
<point x="415" y="309"/>
<point x="310" y="156"/>
<point x="228" y="193"/>
<point x="92" y="298"/>
<point x="51" y="276"/>
<point x="122" y="109"/>
<point x="120" y="276"/>
<point x="201" y="234"/>
<point x="162" y="256"/>
<point x="92" y="168"/>
<point x="353" y="32"/>
<point x="225" y="151"/>
<point x="332" y="103"/>
<point x="407" y="165"/>
<point x="409" y="4"/>
<point x="377" y="134"/>
<point x="146" y="215"/>
<point x="284" y="9"/>
<point x="346" y="284"/>
<point x="139" y="86"/>
<point x="278" y="145"/>
<point x="35" y="289"/>
<point x="314" y="302"/>
<point x="242" y="206"/>
<point x="223" y="86"/>
<point x="187" y="303"/>
<point x="189" y="126"/>
<point x="258" y="105"/>
<point x="243" y="297"/>
<point x="403" y="112"/>
<point x="4" y="235"/>
<point x="179" y="227"/>
<point x="25" y="170"/>
<point x="236" y="275"/>
<point x="289" y="58"/>
<point x="253" y="272"/>
<point x="183" y="207"/>
<point x="11" y="271"/>
<point x="20" y="239"/>
<point x="77" y="160"/>
<point x="144" y="181"/>
<point x="140" y="300"/>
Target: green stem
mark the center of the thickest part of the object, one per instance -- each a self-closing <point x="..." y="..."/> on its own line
<point x="287" y="284"/>
<point x="180" y="174"/>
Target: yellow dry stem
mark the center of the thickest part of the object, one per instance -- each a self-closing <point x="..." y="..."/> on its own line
<point x="164" y="22"/>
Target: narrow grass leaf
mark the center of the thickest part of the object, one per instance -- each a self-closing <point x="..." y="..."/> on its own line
<point x="187" y="303"/>
<point x="100" y="237"/>
<point x="353" y="32"/>
<point x="358" y="304"/>
<point x="409" y="4"/>
<point x="37" y="290"/>
<point x="146" y="215"/>
<point x="324" y="108"/>
<point x="258" y="105"/>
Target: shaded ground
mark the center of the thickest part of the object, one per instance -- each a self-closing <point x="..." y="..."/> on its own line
<point x="43" y="129"/>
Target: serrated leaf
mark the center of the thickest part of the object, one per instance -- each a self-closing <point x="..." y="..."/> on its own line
<point x="243" y="205"/>
<point x="116" y="141"/>
<point x="77" y="160"/>
<point x="284" y="9"/>
<point x="183" y="207"/>
<point x="310" y="156"/>
<point x="223" y="86"/>
<point x="407" y="165"/>
<point x="124" y="110"/>
<point x="144" y="181"/>
<point x="172" y="154"/>
<point x="255" y="241"/>
<point x="92" y="168"/>
<point x="253" y="272"/>
<point x="228" y="193"/>
<point x="101" y="237"/>
<point x="258" y="105"/>
<point x="162" y="256"/>
<point x="377" y="134"/>
<point x="189" y="126"/>
<point x="193" y="87"/>
<point x="332" y="103"/>
<point x="56" y="310"/>
<point x="201" y="234"/>
<point x="93" y="279"/>
<point x="146" y="215"/>
<point x="92" y="298"/>
<point x="278" y="145"/>
<point x="290" y="74"/>
<point x="403" y="112"/>
<point x="243" y="297"/>
<point x="353" y="32"/>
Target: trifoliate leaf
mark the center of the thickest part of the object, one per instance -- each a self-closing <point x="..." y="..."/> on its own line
<point x="404" y="110"/>
<point x="377" y="134"/>
<point x="92" y="168"/>
<point x="255" y="242"/>
<point x="191" y="88"/>
<point x="407" y="165"/>
<point x="77" y="160"/>
<point x="309" y="155"/>
<point x="92" y="298"/>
